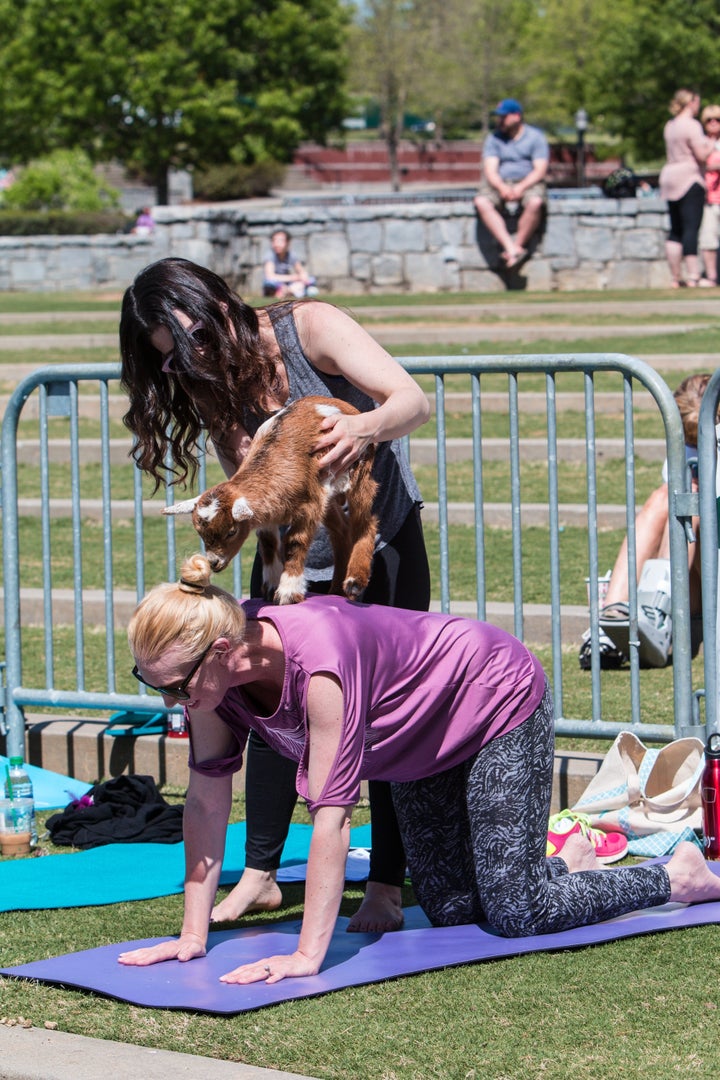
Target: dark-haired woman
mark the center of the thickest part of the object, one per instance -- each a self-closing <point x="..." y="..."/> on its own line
<point x="195" y="357"/>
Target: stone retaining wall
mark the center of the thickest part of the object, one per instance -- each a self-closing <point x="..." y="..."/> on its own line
<point x="419" y="246"/>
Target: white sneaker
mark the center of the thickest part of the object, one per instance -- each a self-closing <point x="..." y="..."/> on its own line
<point x="610" y="657"/>
<point x="654" y="631"/>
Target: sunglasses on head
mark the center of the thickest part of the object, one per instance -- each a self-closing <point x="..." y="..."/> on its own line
<point x="179" y="692"/>
<point x="197" y="333"/>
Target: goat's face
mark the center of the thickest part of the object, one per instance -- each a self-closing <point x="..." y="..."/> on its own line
<point x="222" y="523"/>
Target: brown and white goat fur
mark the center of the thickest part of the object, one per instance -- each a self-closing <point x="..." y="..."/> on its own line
<point x="279" y="483"/>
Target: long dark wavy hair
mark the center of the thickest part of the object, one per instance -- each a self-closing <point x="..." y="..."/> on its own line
<point x="212" y="383"/>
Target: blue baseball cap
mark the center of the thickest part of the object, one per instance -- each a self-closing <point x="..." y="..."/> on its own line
<point x="508" y="105"/>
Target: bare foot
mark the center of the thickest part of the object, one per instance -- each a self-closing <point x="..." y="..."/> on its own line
<point x="256" y="890"/>
<point x="691" y="879"/>
<point x="578" y="853"/>
<point x="380" y="911"/>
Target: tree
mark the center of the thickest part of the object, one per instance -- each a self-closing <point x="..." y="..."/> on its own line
<point x="650" y="49"/>
<point x="155" y="84"/>
<point x="560" y="42"/>
<point x="384" y="66"/>
<point x="442" y="58"/>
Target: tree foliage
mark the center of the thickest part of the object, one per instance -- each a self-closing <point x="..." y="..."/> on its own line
<point x="446" y="59"/>
<point x="154" y="84"/>
<point x="649" y="51"/>
<point x="452" y="60"/>
<point x="561" y="40"/>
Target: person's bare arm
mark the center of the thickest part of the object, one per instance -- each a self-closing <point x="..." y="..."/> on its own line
<point x="337" y="345"/>
<point x="205" y="819"/>
<point x="328" y="848"/>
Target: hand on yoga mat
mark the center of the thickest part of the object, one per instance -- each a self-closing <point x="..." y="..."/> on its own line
<point x="272" y="969"/>
<point x="186" y="947"/>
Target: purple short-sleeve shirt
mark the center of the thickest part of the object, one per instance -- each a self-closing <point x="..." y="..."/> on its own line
<point x="422" y="692"/>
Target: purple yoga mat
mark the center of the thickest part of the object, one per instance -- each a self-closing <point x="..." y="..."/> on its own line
<point x="352" y="960"/>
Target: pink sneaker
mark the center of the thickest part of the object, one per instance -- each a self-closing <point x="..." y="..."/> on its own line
<point x="609" y="846"/>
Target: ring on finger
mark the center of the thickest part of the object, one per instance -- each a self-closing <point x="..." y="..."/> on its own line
<point x="267" y="969"/>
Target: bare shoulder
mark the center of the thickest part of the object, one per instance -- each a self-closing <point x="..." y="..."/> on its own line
<point x="330" y="337"/>
<point x="318" y="316"/>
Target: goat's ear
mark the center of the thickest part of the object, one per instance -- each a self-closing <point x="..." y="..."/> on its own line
<point x="241" y="509"/>
<point x="185" y="507"/>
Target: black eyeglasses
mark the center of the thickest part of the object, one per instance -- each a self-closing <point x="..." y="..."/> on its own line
<point x="199" y="338"/>
<point x="179" y="692"/>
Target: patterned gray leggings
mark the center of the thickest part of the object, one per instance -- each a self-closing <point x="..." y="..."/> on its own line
<point x="475" y="840"/>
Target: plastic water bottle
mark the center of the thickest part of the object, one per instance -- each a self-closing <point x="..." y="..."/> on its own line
<point x="18" y="785"/>
<point x="710" y="793"/>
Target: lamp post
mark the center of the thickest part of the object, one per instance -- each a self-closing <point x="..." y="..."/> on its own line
<point x="581" y="126"/>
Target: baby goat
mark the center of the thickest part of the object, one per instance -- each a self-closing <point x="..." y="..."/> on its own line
<point x="279" y="483"/>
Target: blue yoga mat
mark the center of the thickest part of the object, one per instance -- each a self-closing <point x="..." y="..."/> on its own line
<point x="117" y="872"/>
<point x="352" y="960"/>
<point x="51" y="790"/>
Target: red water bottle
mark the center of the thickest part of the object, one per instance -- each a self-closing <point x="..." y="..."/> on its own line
<point x="176" y="726"/>
<point x="710" y="791"/>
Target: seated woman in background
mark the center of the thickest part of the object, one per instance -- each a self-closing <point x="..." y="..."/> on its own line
<point x="652" y="552"/>
<point x="283" y="272"/>
<point x="456" y="713"/>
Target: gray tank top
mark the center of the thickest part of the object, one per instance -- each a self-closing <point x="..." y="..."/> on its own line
<point x="397" y="489"/>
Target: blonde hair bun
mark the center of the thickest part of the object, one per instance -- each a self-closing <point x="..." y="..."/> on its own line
<point x="195" y="574"/>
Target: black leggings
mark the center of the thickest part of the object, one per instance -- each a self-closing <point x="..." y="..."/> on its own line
<point x="400" y="578"/>
<point x="475" y="838"/>
<point x="686" y="218"/>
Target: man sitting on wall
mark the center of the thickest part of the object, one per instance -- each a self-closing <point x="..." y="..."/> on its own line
<point x="515" y="163"/>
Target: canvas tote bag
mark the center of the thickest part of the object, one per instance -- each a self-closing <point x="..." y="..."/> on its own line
<point x="639" y="791"/>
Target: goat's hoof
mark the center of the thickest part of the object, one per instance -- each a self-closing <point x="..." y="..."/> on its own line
<point x="353" y="588"/>
<point x="288" y="598"/>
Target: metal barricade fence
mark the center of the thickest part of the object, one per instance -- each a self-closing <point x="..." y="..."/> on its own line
<point x="70" y="543"/>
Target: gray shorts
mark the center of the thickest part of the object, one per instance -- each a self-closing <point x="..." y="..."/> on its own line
<point x="493" y="194"/>
<point x="710" y="228"/>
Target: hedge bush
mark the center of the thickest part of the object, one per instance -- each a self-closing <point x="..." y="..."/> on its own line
<point x="64" y="180"/>
<point x="218" y="183"/>
<point x="63" y="222"/>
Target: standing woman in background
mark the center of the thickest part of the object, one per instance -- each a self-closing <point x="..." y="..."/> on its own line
<point x="195" y="357"/>
<point x="682" y="183"/>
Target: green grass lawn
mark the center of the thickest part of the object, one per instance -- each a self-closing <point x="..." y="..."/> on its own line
<point x="640" y="1009"/>
<point x="669" y="344"/>
<point x="463" y="586"/>
<point x="496" y="480"/>
<point x="590" y="1014"/>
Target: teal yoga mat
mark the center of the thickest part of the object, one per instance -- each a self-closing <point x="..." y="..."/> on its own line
<point x="51" y="790"/>
<point x="118" y="872"/>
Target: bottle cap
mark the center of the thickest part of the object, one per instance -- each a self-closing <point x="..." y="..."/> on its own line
<point x="16" y="760"/>
<point x="713" y="745"/>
